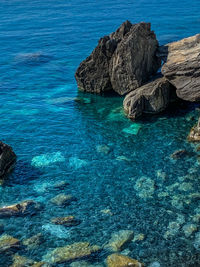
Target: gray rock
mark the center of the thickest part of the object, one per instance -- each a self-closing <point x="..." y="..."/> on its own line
<point x="7" y="159"/>
<point x="194" y="135"/>
<point x="121" y="61"/>
<point x="182" y="67"/>
<point x="152" y="97"/>
<point x="134" y="59"/>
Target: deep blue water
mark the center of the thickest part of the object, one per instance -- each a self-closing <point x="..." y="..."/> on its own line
<point x="43" y="114"/>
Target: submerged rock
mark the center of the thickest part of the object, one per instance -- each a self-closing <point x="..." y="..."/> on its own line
<point x="182" y="67"/>
<point x="33" y="242"/>
<point x="19" y="209"/>
<point x="71" y="252"/>
<point x="59" y="231"/>
<point x="1" y="228"/>
<point x="118" y="260"/>
<point x="194" y="135"/>
<point x="103" y="149"/>
<point x="21" y="261"/>
<point x="8" y="242"/>
<point x="197" y="241"/>
<point x="152" y="97"/>
<point x="47" y="159"/>
<point x="178" y="154"/>
<point x="122" y="61"/>
<point x="77" y="163"/>
<point x="189" y="229"/>
<point x="145" y="187"/>
<point x="62" y="200"/>
<point x="7" y="159"/>
<point x="66" y="221"/>
<point x="119" y="240"/>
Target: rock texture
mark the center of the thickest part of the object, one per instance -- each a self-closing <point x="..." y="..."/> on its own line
<point x="182" y="67"/>
<point x="122" y="61"/>
<point x="118" y="260"/>
<point x="7" y="159"/>
<point x="152" y="97"/>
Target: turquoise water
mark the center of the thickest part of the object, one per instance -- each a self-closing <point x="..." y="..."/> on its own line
<point x="60" y="134"/>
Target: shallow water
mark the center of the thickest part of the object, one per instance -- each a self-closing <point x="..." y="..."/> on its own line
<point x="60" y="134"/>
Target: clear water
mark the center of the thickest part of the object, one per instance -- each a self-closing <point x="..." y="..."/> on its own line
<point x="57" y="133"/>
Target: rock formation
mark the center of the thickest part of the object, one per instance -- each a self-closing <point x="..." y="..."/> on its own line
<point x="194" y="135"/>
<point x="182" y="67"/>
<point x="122" y="61"/>
<point x="7" y="159"/>
<point x="153" y="97"/>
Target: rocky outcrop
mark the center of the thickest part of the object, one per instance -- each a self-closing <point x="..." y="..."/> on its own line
<point x="182" y="67"/>
<point x="152" y="97"/>
<point x="118" y="260"/>
<point x="122" y="61"/>
<point x="7" y="159"/>
<point x="194" y="135"/>
<point x="19" y="209"/>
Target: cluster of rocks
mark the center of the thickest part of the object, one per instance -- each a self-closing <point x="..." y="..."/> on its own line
<point x="127" y="61"/>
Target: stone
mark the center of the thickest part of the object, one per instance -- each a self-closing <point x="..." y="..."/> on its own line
<point x="7" y="159"/>
<point x="182" y="67"/>
<point x="178" y="154"/>
<point x="21" y="261"/>
<point x="47" y="159"/>
<point x="19" y="209"/>
<point x="33" y="242"/>
<point x="152" y="98"/>
<point x="66" y="221"/>
<point x="139" y="237"/>
<point x="145" y="187"/>
<point x="197" y="241"/>
<point x="118" y="260"/>
<point x="103" y="149"/>
<point x="8" y="242"/>
<point x="121" y="61"/>
<point x="134" y="61"/>
<point x="71" y="252"/>
<point x="194" y="135"/>
<point x="61" y="185"/>
<point x="119" y="240"/>
<point x="77" y="163"/>
<point x="189" y="229"/>
<point x="62" y="200"/>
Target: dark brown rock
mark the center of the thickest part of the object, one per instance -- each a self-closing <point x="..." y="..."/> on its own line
<point x="19" y="209"/>
<point x="182" y="67"/>
<point x="7" y="159"/>
<point x="152" y="97"/>
<point x="122" y="61"/>
<point x="134" y="60"/>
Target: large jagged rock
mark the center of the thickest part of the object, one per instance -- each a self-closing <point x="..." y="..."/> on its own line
<point x="152" y="97"/>
<point x="194" y="135"/>
<point x="182" y="67"/>
<point x="121" y="61"/>
<point x="19" y="209"/>
<point x="7" y="159"/>
<point x="134" y="59"/>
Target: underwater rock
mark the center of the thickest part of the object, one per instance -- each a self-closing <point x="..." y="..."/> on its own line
<point x="174" y="227"/>
<point x="139" y="237"/>
<point x="118" y="260"/>
<point x="145" y="187"/>
<point x="119" y="240"/>
<point x="71" y="252"/>
<point x="61" y="185"/>
<point x="19" y="209"/>
<point x="103" y="149"/>
<point x="77" y="163"/>
<point x="155" y="264"/>
<point x="7" y="159"/>
<point x="85" y="264"/>
<point x="121" y="61"/>
<point x="107" y="211"/>
<point x="33" y="242"/>
<point x="194" y="135"/>
<point x="178" y="154"/>
<point x="47" y="159"/>
<point x="21" y="261"/>
<point x="1" y="228"/>
<point x="122" y="158"/>
<point x="32" y="59"/>
<point x="152" y="97"/>
<point x="189" y="229"/>
<point x="182" y="67"/>
<point x="66" y="221"/>
<point x="58" y="231"/>
<point x="133" y="129"/>
<point x="8" y="242"/>
<point x="62" y="200"/>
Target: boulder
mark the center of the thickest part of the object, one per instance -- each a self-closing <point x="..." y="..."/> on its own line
<point x="134" y="60"/>
<point x="182" y="67"/>
<point x="7" y="159"/>
<point x="33" y="242"/>
<point x="119" y="240"/>
<point x="122" y="61"/>
<point x="8" y="242"/>
<point x="62" y="199"/>
<point x="194" y="135"/>
<point x="66" y="221"/>
<point x="19" y="209"/>
<point x="152" y="97"/>
<point x="118" y="260"/>
<point x="71" y="252"/>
